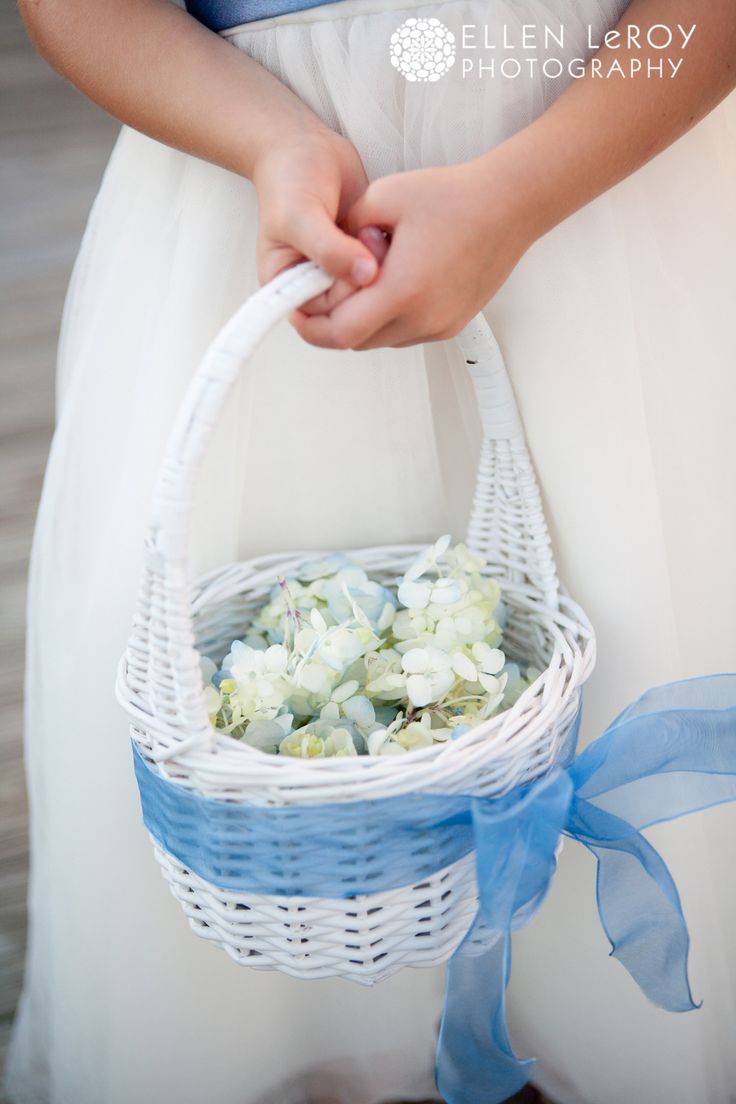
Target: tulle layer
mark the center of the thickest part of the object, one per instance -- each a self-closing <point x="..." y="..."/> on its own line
<point x="619" y="332"/>
<point x="337" y="60"/>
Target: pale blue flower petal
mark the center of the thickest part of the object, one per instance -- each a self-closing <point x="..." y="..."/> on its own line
<point x="360" y="710"/>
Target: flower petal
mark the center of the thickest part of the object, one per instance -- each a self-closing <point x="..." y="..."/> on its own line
<point x="489" y="683"/>
<point x="312" y="677"/>
<point x="414" y="595"/>
<point x="392" y="748"/>
<point x="318" y="622"/>
<point x="442" y="545"/>
<point x="464" y="667"/>
<point x="276" y="658"/>
<point x="415" y="661"/>
<point x="360" y="710"/>
<point x="419" y="690"/>
<point x="386" y="618"/>
<point x="345" y="690"/>
<point x="493" y="661"/>
<point x="376" y="740"/>
<point x="208" y="668"/>
<point x="445" y="592"/>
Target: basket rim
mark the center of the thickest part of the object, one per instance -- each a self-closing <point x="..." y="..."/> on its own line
<point x="571" y="631"/>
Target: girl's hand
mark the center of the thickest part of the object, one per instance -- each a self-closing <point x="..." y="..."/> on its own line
<point x="307" y="179"/>
<point x="456" y="233"/>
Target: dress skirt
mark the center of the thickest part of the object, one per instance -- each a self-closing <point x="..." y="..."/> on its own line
<point x="619" y="332"/>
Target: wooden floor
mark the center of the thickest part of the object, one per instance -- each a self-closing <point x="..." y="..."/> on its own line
<point x="53" y="148"/>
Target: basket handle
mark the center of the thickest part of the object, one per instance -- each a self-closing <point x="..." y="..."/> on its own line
<point x="507" y="525"/>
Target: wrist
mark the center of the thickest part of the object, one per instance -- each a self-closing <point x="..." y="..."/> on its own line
<point x="518" y="181"/>
<point x="291" y="126"/>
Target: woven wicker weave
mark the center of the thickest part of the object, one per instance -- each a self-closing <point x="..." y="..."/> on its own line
<point x="160" y="685"/>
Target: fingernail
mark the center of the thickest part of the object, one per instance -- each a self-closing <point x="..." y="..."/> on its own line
<point x="363" y="270"/>
<point x="375" y="232"/>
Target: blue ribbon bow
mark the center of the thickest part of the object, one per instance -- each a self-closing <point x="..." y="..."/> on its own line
<point x="670" y="753"/>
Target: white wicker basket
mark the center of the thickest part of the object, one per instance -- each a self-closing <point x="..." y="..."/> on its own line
<point x="369" y="937"/>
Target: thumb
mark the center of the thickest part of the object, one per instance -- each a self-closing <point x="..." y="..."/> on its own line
<point x="315" y="235"/>
<point x="377" y="206"/>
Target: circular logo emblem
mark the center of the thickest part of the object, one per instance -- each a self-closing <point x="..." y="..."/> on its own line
<point x="422" y="49"/>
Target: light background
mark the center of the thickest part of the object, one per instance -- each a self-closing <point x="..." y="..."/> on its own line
<point x="53" y="149"/>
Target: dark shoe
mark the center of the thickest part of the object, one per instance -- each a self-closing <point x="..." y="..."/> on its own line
<point x="528" y="1095"/>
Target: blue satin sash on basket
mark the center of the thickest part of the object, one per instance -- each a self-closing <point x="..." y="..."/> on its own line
<point x="219" y="15"/>
<point x="672" y="752"/>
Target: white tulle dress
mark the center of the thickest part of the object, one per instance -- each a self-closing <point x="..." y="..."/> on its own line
<point x="619" y="331"/>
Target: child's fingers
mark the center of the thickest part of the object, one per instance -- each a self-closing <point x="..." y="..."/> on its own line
<point x="329" y="299"/>
<point x="375" y="240"/>
<point x="314" y="234"/>
<point x="273" y="259"/>
<point x="357" y="319"/>
<point x="378" y="206"/>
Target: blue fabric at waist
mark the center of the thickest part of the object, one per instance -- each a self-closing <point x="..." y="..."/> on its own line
<point x="218" y="15"/>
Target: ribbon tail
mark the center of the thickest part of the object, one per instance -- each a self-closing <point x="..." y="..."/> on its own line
<point x="639" y="907"/>
<point x="475" y="1061"/>
<point x="516" y="838"/>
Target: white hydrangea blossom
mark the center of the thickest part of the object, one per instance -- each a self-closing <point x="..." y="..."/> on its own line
<point x="337" y="664"/>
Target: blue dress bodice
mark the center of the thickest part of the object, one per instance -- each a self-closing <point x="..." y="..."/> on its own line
<point x="218" y="15"/>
